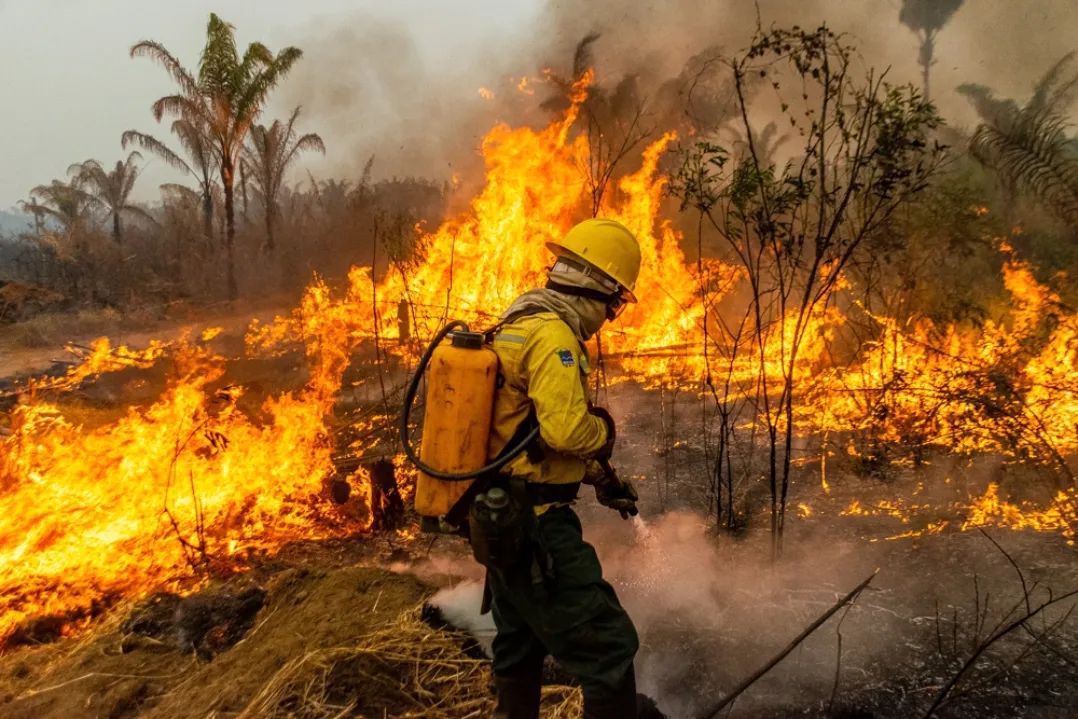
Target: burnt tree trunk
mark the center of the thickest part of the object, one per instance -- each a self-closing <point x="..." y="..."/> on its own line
<point x="270" y="244"/>
<point x="387" y="507"/>
<point x="243" y="189"/>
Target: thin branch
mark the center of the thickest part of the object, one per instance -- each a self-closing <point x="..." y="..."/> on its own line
<point x="755" y="676"/>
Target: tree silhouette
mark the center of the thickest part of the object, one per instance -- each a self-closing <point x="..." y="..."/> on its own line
<point x="926" y="18"/>
<point x="224" y="100"/>
<point x="63" y="202"/>
<point x="269" y="153"/>
<point x="1027" y="145"/>
<point x="201" y="162"/>
<point x="612" y="120"/>
<point x="39" y="211"/>
<point x="109" y="190"/>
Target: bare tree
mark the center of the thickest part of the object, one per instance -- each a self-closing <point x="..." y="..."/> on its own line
<point x="612" y="120"/>
<point x="793" y="229"/>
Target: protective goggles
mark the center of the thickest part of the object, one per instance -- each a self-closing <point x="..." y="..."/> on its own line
<point x="568" y="264"/>
<point x="615" y="307"/>
<point x="613" y="296"/>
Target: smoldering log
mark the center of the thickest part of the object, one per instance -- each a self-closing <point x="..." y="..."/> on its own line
<point x="387" y="506"/>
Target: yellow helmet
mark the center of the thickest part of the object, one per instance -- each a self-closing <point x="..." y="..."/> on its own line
<point x="607" y="246"/>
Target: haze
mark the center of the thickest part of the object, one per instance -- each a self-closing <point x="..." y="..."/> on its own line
<point x="398" y="80"/>
<point x="71" y="89"/>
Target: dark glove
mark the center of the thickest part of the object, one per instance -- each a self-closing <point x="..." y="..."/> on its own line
<point x="607" y="450"/>
<point x="617" y="493"/>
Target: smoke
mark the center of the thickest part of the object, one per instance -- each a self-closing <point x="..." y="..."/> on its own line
<point x="372" y="89"/>
<point x="711" y="610"/>
<point x="708" y="612"/>
<point x="981" y="43"/>
<point x="373" y="86"/>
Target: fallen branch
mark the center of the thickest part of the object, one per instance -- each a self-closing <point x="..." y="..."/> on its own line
<point x="740" y="689"/>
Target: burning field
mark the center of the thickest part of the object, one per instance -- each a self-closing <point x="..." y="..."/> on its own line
<point x="793" y="416"/>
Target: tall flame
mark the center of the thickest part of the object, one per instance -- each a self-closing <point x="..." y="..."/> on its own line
<point x="88" y="513"/>
<point x="92" y="512"/>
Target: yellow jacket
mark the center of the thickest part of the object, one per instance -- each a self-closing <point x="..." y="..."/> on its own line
<point x="545" y="365"/>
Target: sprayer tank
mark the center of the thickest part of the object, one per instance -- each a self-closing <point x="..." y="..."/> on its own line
<point x="461" y="381"/>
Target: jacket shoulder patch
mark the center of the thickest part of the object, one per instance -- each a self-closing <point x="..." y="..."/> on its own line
<point x="566" y="357"/>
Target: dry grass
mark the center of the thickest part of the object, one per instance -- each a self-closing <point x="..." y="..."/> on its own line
<point x="54" y="328"/>
<point x="405" y="670"/>
<point x="329" y="643"/>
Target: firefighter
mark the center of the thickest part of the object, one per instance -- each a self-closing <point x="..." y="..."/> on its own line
<point x="554" y="600"/>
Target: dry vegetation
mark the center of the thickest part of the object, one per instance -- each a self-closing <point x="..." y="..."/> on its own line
<point x="859" y="347"/>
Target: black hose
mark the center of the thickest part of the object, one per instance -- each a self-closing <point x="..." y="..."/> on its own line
<point x="504" y="457"/>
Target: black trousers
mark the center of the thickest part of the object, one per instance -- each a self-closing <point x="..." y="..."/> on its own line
<point x="572" y="615"/>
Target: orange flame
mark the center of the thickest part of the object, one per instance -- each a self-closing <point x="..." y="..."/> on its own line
<point x="89" y="512"/>
<point x="942" y="386"/>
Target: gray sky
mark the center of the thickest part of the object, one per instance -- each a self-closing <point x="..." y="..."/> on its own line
<point x="70" y="89"/>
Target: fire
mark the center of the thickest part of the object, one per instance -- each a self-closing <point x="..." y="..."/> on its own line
<point x="1061" y="515"/>
<point x="987" y="510"/>
<point x="474" y="265"/>
<point x="101" y="358"/>
<point x="896" y="509"/>
<point x="202" y="477"/>
<point x="1010" y="386"/>
<point x="92" y="513"/>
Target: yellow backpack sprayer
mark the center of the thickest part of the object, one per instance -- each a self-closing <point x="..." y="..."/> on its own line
<point x="462" y="376"/>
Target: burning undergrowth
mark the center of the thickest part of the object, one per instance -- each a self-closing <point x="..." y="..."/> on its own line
<point x="210" y="474"/>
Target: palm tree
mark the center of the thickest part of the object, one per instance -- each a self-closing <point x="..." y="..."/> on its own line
<point x="269" y="153"/>
<point x="110" y="190"/>
<point x="63" y="202"/>
<point x="70" y="207"/>
<point x="1027" y="145"/>
<point x="201" y="161"/>
<point x="225" y="100"/>
<point x="926" y="18"/>
<point x="39" y="211"/>
<point x="766" y="142"/>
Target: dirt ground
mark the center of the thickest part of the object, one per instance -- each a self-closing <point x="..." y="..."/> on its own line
<point x="35" y="345"/>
